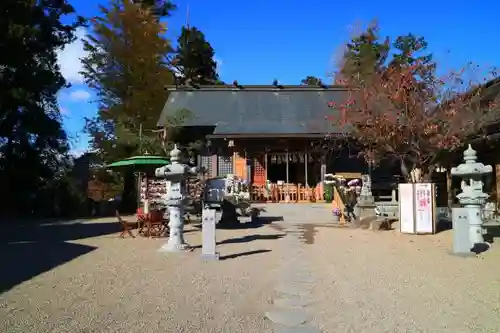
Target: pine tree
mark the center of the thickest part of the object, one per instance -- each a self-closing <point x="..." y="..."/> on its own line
<point x="194" y="58"/>
<point x="311" y="81"/>
<point x="365" y="55"/>
<point x="410" y="51"/>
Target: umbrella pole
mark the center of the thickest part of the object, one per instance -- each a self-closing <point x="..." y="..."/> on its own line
<point x="139" y="186"/>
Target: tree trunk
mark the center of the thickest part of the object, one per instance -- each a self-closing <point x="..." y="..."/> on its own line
<point x="449" y="189"/>
<point x="427" y="174"/>
<point x="129" y="194"/>
<point x="404" y="170"/>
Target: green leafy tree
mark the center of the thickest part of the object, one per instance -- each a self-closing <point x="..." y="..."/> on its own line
<point x="311" y="81"/>
<point x="409" y="52"/>
<point x="194" y="58"/>
<point x="33" y="143"/>
<point x="365" y="55"/>
<point x="126" y="66"/>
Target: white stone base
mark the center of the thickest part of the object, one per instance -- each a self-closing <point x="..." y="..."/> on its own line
<point x="173" y="247"/>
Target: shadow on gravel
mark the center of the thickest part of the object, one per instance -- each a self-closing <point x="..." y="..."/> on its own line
<point x="31" y="249"/>
<point x="56" y="232"/>
<point x="25" y="260"/>
<point x="254" y="223"/>
<point x="250" y="238"/>
<point x="243" y="254"/>
<point x="246" y="239"/>
<point x="443" y="225"/>
<point x="492" y="234"/>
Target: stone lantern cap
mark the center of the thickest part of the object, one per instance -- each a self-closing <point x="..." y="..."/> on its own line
<point x="471" y="166"/>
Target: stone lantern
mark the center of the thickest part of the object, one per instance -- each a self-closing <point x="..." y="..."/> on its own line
<point x="472" y="197"/>
<point x="176" y="174"/>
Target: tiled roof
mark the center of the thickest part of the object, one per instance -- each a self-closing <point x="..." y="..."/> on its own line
<point x="285" y="110"/>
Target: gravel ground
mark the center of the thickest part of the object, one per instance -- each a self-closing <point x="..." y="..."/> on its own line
<point x="125" y="285"/>
<point x="388" y="282"/>
<point x="364" y="281"/>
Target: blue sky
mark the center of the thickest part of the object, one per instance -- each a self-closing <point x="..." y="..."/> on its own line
<point x="260" y="40"/>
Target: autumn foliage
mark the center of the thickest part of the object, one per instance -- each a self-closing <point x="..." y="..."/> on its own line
<point x="397" y="114"/>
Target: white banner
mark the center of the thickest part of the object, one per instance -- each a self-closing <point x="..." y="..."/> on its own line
<point x="424" y="208"/>
<point x="406" y="209"/>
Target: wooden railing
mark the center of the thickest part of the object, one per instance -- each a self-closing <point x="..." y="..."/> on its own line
<point x="285" y="193"/>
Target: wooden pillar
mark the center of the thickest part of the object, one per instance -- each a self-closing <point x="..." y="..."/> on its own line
<point x="234" y="162"/>
<point x="287" y="198"/>
<point x="306" y="160"/>
<point x="287" y="170"/>
<point x="322" y="173"/>
<point x="497" y="184"/>
<point x="323" y="168"/>
<point x="249" y="168"/>
<point x="305" y="169"/>
<point x="265" y="164"/>
<point x="214" y="166"/>
<point x="449" y="188"/>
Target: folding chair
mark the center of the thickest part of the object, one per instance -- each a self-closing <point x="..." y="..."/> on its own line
<point x="126" y="225"/>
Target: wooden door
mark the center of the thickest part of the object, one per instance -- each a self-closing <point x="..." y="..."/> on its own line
<point x="240" y="166"/>
<point x="259" y="172"/>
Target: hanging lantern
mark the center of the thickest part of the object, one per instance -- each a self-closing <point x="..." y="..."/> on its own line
<point x="279" y="159"/>
<point x="273" y="159"/>
<point x="294" y="158"/>
<point x="301" y="158"/>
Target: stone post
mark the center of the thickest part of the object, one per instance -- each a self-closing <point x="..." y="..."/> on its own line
<point x="472" y="197"/>
<point x="208" y="233"/>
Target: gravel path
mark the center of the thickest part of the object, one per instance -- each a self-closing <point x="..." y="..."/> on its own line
<point x="373" y="282"/>
<point x="125" y="285"/>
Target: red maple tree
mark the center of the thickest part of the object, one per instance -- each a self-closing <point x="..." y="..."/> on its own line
<point x="397" y="115"/>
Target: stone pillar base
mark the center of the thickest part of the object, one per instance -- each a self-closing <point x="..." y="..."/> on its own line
<point x="210" y="257"/>
<point x="364" y="209"/>
<point x="173" y="247"/>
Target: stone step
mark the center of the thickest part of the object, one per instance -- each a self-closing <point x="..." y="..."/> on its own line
<point x="288" y="318"/>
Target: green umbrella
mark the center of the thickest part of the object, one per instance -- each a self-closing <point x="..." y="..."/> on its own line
<point x="140" y="161"/>
<point x="140" y="164"/>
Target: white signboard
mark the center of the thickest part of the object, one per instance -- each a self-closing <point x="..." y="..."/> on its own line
<point x="424" y="208"/>
<point x="416" y="208"/>
<point x="406" y="209"/>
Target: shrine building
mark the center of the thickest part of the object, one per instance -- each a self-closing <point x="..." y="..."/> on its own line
<point x="282" y="136"/>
